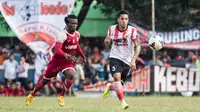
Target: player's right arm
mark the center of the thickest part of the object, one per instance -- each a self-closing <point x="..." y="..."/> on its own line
<point x="107" y="40"/>
<point x="61" y="37"/>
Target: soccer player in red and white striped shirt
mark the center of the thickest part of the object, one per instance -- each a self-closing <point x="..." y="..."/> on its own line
<point x="125" y="49"/>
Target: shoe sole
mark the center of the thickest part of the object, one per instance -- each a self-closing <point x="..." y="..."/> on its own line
<point x="26" y="103"/>
<point x="60" y="104"/>
<point x="126" y="107"/>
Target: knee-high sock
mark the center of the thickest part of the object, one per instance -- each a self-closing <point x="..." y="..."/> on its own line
<point x="39" y="86"/>
<point x="66" y="85"/>
<point x="118" y="88"/>
<point x="110" y="87"/>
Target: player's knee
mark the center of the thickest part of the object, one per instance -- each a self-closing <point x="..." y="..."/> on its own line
<point x="117" y="77"/>
<point x="69" y="74"/>
<point x="45" y="81"/>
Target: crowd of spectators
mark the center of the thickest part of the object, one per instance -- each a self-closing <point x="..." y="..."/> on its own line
<point x="16" y="60"/>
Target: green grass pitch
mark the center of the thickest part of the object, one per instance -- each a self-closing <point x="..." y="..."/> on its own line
<point x="74" y="104"/>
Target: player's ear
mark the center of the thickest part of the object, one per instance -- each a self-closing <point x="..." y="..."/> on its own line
<point x="118" y="19"/>
<point x="65" y="27"/>
<point x="66" y="20"/>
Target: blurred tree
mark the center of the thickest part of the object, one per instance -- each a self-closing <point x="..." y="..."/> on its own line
<point x="3" y="23"/>
<point x="83" y="11"/>
<point x="170" y="15"/>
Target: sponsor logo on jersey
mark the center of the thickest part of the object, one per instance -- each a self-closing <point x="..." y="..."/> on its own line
<point x="71" y="47"/>
<point x="120" y="42"/>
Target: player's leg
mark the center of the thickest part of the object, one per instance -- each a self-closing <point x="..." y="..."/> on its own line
<point x="118" y="88"/>
<point x="39" y="86"/>
<point x="69" y="80"/>
<point x="50" y="72"/>
<point x="125" y="74"/>
<point x="116" y="67"/>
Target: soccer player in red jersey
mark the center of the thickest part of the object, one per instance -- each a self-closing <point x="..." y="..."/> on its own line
<point x="66" y="47"/>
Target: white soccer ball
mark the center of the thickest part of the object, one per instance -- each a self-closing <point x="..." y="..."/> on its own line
<point x="156" y="43"/>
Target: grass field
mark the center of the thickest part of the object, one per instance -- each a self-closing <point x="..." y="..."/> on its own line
<point x="73" y="104"/>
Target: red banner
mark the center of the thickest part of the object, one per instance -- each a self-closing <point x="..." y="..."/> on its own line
<point x="140" y="82"/>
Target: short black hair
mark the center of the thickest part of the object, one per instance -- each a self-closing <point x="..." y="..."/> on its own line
<point x="122" y="12"/>
<point x="71" y="16"/>
<point x="11" y="54"/>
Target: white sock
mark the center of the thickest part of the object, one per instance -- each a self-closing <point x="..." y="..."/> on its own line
<point x="122" y="101"/>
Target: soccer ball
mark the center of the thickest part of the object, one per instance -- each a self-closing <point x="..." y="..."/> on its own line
<point x="156" y="43"/>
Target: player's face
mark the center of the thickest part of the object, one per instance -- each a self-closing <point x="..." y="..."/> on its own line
<point x="73" y="24"/>
<point x="123" y="20"/>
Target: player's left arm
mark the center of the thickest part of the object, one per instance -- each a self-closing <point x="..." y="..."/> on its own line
<point x="79" y="50"/>
<point x="136" y="50"/>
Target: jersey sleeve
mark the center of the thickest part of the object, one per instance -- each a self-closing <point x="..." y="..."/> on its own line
<point x="108" y="36"/>
<point x="78" y="36"/>
<point x="61" y="37"/>
<point x="134" y="34"/>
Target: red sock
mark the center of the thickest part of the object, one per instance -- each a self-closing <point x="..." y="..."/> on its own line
<point x="111" y="87"/>
<point x="118" y="88"/>
<point x="66" y="85"/>
<point x="37" y="88"/>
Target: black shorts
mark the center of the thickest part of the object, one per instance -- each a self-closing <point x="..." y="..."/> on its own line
<point x="117" y="65"/>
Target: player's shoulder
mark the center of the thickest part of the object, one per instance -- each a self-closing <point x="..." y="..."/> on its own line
<point x="77" y="33"/>
<point x="131" y="27"/>
<point x="61" y="33"/>
<point x="61" y="36"/>
<point x="113" y="26"/>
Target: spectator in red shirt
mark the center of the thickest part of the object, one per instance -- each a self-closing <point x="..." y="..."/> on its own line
<point x="3" y="90"/>
<point x="16" y="90"/>
<point x="165" y="64"/>
<point x="95" y="55"/>
<point x="179" y="57"/>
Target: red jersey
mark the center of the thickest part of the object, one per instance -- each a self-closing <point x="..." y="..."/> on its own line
<point x="66" y="43"/>
<point x="4" y="92"/>
<point x="17" y="92"/>
<point x="69" y="45"/>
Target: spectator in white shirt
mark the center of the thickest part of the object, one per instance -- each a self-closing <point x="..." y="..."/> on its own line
<point x="10" y="66"/>
<point x="22" y="72"/>
<point x="41" y="62"/>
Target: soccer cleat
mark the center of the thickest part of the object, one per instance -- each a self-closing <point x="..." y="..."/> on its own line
<point x="124" y="105"/>
<point x="107" y="92"/>
<point x="29" y="99"/>
<point x="61" y="100"/>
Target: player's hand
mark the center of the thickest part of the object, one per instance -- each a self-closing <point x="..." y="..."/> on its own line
<point x="84" y="62"/>
<point x="70" y="57"/>
<point x="133" y="66"/>
<point x="107" y="41"/>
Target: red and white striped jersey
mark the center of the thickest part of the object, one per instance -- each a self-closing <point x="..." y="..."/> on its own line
<point x="122" y="43"/>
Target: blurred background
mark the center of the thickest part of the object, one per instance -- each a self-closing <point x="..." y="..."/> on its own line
<point x="176" y="21"/>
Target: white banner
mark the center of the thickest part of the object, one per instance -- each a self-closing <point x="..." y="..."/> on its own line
<point x="36" y="22"/>
<point x="180" y="39"/>
<point x="175" y="79"/>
